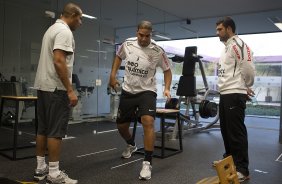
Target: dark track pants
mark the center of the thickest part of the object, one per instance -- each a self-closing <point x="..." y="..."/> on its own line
<point x="234" y="133"/>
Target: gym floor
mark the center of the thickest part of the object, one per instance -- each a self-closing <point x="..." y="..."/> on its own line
<point x="96" y="158"/>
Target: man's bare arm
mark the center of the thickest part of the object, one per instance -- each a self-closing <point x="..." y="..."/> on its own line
<point x="62" y="71"/>
<point x="167" y="81"/>
<point x="113" y="82"/>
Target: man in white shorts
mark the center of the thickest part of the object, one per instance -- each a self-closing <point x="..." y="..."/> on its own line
<point x="142" y="56"/>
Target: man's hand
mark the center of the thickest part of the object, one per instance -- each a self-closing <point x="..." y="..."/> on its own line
<point x="72" y="98"/>
<point x="250" y="93"/>
<point x="167" y="93"/>
<point x="114" y="83"/>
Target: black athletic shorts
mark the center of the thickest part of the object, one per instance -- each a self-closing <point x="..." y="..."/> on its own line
<point x="136" y="105"/>
<point x="53" y="111"/>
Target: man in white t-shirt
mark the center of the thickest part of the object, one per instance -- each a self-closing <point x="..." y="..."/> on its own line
<point x="142" y="57"/>
<point x="236" y="74"/>
<point x="55" y="93"/>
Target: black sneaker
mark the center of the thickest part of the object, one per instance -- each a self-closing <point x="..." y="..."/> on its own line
<point x="41" y="174"/>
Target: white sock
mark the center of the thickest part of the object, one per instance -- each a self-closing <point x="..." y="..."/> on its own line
<point x="41" y="164"/>
<point x="54" y="169"/>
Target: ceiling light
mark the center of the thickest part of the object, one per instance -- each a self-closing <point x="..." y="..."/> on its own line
<point x="50" y="14"/>
<point x="276" y="21"/>
<point x="88" y="16"/>
<point x="162" y="37"/>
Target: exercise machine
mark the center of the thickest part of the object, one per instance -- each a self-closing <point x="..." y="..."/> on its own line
<point x="115" y="96"/>
<point x="81" y="91"/>
<point x="198" y="107"/>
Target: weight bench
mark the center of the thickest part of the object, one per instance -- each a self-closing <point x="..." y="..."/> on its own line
<point x="162" y="151"/>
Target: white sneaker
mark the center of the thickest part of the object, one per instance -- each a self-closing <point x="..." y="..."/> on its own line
<point x="41" y="174"/>
<point x="242" y="177"/>
<point x="146" y="171"/>
<point x="61" y="178"/>
<point x="128" y="151"/>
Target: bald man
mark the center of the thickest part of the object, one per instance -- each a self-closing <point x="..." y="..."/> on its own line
<point x="55" y="93"/>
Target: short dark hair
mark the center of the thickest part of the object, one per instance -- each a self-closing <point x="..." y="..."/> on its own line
<point x="71" y="9"/>
<point x="227" y="21"/>
<point x="145" y="25"/>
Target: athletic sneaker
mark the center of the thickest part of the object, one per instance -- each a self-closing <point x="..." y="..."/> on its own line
<point x="242" y="177"/>
<point x="62" y="178"/>
<point x="146" y="171"/>
<point x="40" y="174"/>
<point x="128" y="151"/>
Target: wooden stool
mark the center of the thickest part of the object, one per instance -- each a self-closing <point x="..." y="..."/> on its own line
<point x="226" y="173"/>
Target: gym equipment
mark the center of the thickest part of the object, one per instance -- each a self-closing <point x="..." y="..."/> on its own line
<point x="207" y="109"/>
<point x="12" y="89"/>
<point x="197" y="104"/>
<point x="190" y="58"/>
<point x="115" y="96"/>
<point x="161" y="148"/>
<point x="81" y="91"/>
<point x="172" y="104"/>
<point x="17" y="100"/>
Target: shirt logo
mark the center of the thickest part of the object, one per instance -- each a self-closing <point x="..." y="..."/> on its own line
<point x="150" y="58"/>
<point x="220" y="70"/>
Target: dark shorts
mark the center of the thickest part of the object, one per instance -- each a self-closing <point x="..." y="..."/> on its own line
<point x="53" y="113"/>
<point x="143" y="103"/>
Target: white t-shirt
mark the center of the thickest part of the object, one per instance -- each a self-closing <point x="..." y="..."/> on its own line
<point x="141" y="64"/>
<point x="58" y="36"/>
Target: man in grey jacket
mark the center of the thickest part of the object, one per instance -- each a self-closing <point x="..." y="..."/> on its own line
<point x="236" y="74"/>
